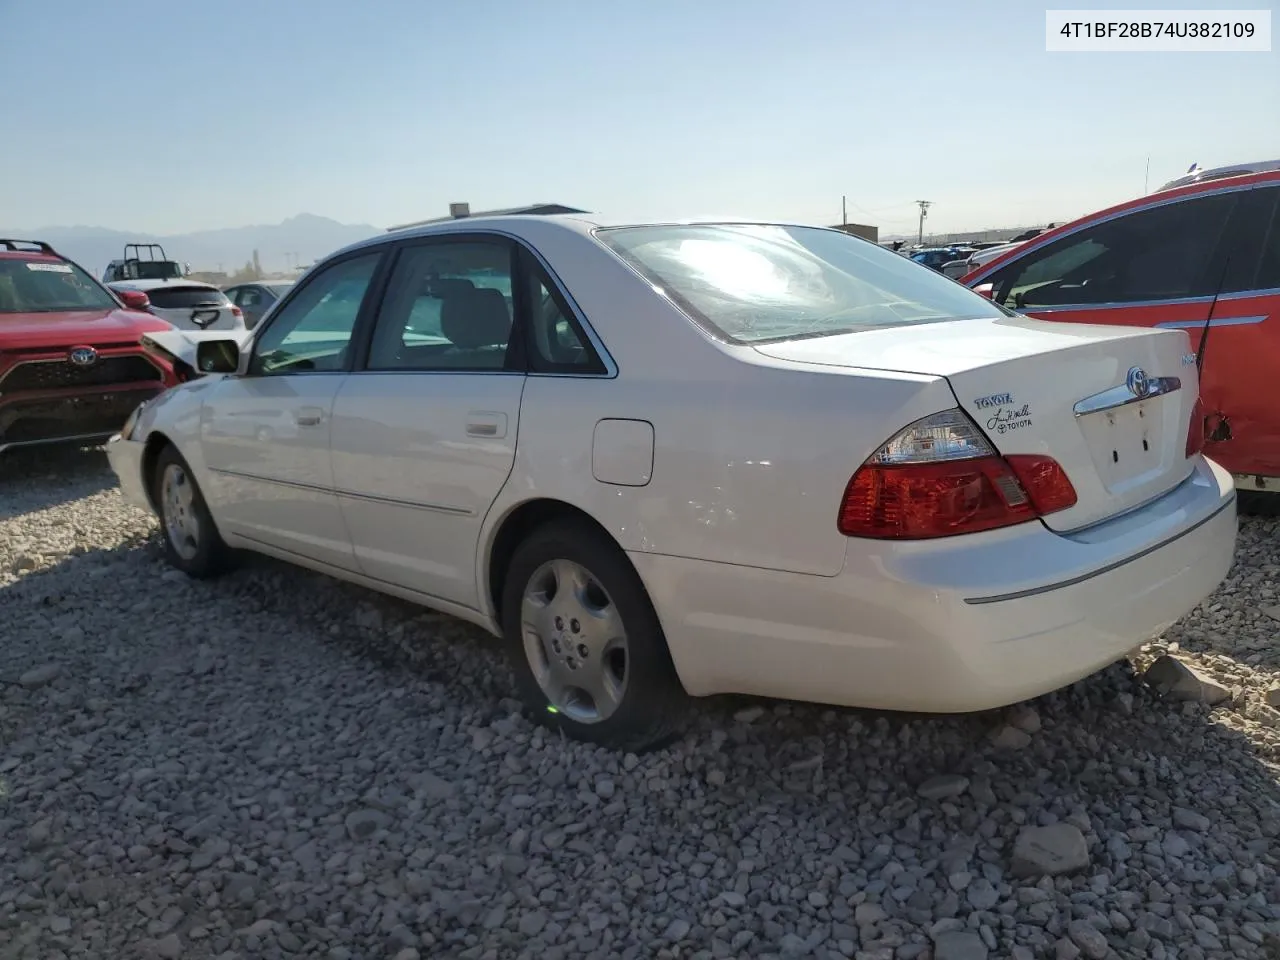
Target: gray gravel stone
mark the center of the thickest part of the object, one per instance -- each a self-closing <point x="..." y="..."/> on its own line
<point x="1051" y="850"/>
<point x="41" y="676"/>
<point x="347" y="777"/>
<point x="943" y="786"/>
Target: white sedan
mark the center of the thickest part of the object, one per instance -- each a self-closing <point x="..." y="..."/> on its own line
<point x="679" y="459"/>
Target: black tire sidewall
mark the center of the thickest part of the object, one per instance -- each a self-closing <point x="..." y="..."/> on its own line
<point x="210" y="550"/>
<point x="652" y="706"/>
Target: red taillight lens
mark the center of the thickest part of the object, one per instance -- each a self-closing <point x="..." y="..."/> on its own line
<point x="1044" y="480"/>
<point x="236" y="311"/>
<point x="940" y="477"/>
<point x="1195" y="430"/>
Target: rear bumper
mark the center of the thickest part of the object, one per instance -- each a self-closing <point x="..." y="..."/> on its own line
<point x="970" y="623"/>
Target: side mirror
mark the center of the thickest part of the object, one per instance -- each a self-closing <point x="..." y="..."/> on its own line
<point x="985" y="290"/>
<point x="134" y="299"/>
<point x="217" y="356"/>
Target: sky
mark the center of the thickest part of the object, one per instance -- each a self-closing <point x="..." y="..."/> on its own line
<point x="169" y="116"/>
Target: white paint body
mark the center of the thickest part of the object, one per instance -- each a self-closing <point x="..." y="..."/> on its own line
<point x="720" y="469"/>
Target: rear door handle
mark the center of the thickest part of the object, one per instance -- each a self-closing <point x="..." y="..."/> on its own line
<point x="485" y="424"/>
<point x="308" y="416"/>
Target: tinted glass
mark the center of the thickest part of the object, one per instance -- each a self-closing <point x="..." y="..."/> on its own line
<point x="312" y="331"/>
<point x="1159" y="253"/>
<point x="44" y="286"/>
<point x="178" y="298"/>
<point x="751" y="283"/>
<point x="448" y="307"/>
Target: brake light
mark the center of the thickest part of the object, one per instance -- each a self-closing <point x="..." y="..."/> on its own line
<point x="236" y="311"/>
<point x="940" y="477"/>
<point x="1195" y="430"/>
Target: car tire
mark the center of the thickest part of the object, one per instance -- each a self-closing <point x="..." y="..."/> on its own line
<point x="602" y="633"/>
<point x="192" y="543"/>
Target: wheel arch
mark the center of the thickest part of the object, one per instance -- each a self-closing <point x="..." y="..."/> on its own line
<point x="511" y="531"/>
<point x="156" y="441"/>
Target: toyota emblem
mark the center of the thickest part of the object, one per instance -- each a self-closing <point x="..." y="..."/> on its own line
<point x="82" y="356"/>
<point x="1138" y="382"/>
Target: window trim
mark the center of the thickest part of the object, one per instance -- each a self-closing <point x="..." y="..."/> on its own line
<point x="533" y="272"/>
<point x="372" y="297"/>
<point x="1031" y="247"/>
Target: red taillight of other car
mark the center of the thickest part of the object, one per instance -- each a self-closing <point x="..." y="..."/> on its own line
<point x="940" y="478"/>
<point x="236" y="311"/>
<point x="1195" y="430"/>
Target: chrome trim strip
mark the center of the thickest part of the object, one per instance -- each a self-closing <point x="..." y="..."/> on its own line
<point x="411" y="504"/>
<point x="1216" y="322"/>
<point x="346" y="494"/>
<point x="1036" y="591"/>
<point x="1112" y="305"/>
<point x="1120" y="396"/>
<point x="1095" y="221"/>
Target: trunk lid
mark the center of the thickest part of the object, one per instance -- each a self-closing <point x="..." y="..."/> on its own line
<point x="1056" y="389"/>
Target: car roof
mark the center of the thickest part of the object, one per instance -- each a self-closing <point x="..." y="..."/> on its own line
<point x="1221" y="173"/>
<point x="155" y="284"/>
<point x="581" y="223"/>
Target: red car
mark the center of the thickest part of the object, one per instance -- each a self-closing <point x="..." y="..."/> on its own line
<point x="72" y="368"/>
<point x="1200" y="254"/>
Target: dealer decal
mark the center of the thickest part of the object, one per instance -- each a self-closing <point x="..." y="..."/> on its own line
<point x="49" y="267"/>
<point x="1010" y="418"/>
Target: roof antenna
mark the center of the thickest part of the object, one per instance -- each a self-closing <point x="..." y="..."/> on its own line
<point x="1204" y="337"/>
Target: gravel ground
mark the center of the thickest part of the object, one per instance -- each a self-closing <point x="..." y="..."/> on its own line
<point x="277" y="765"/>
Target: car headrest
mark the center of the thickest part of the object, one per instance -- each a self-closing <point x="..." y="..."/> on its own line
<point x="475" y="318"/>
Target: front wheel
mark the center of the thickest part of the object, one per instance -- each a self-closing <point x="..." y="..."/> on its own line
<point x="585" y="643"/>
<point x="191" y="540"/>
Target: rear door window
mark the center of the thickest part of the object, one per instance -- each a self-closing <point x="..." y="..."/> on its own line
<point x="1165" y="252"/>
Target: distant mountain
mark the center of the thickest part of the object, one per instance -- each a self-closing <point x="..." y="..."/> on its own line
<point x="298" y="240"/>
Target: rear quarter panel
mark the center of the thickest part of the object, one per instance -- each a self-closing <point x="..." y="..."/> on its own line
<point x="750" y="461"/>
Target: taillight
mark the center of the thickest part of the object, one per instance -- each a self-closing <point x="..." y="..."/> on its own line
<point x="940" y="477"/>
<point x="1195" y="430"/>
<point x="236" y="311"/>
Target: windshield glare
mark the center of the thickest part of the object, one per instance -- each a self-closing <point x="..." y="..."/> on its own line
<point x="44" y="286"/>
<point x="751" y="283"/>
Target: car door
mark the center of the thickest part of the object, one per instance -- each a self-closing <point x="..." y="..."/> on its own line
<point x="265" y="435"/>
<point x="424" y="433"/>
<point x="1166" y="263"/>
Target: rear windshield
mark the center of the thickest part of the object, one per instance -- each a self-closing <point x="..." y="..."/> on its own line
<point x="180" y="298"/>
<point x="753" y="283"/>
<point x="47" y="286"/>
<point x="279" y="289"/>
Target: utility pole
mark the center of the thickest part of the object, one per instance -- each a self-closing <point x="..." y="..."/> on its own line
<point x="844" y="211"/>
<point x="1146" y="177"/>
<point x="924" y="212"/>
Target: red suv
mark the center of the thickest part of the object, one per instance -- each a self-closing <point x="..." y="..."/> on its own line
<point x="72" y="368"/>
<point x="1201" y="254"/>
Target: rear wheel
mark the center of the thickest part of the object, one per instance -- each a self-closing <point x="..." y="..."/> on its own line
<point x="588" y="652"/>
<point x="191" y="540"/>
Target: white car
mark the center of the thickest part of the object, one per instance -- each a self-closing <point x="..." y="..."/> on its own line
<point x="187" y="304"/>
<point x="680" y="459"/>
<point x="962" y="268"/>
